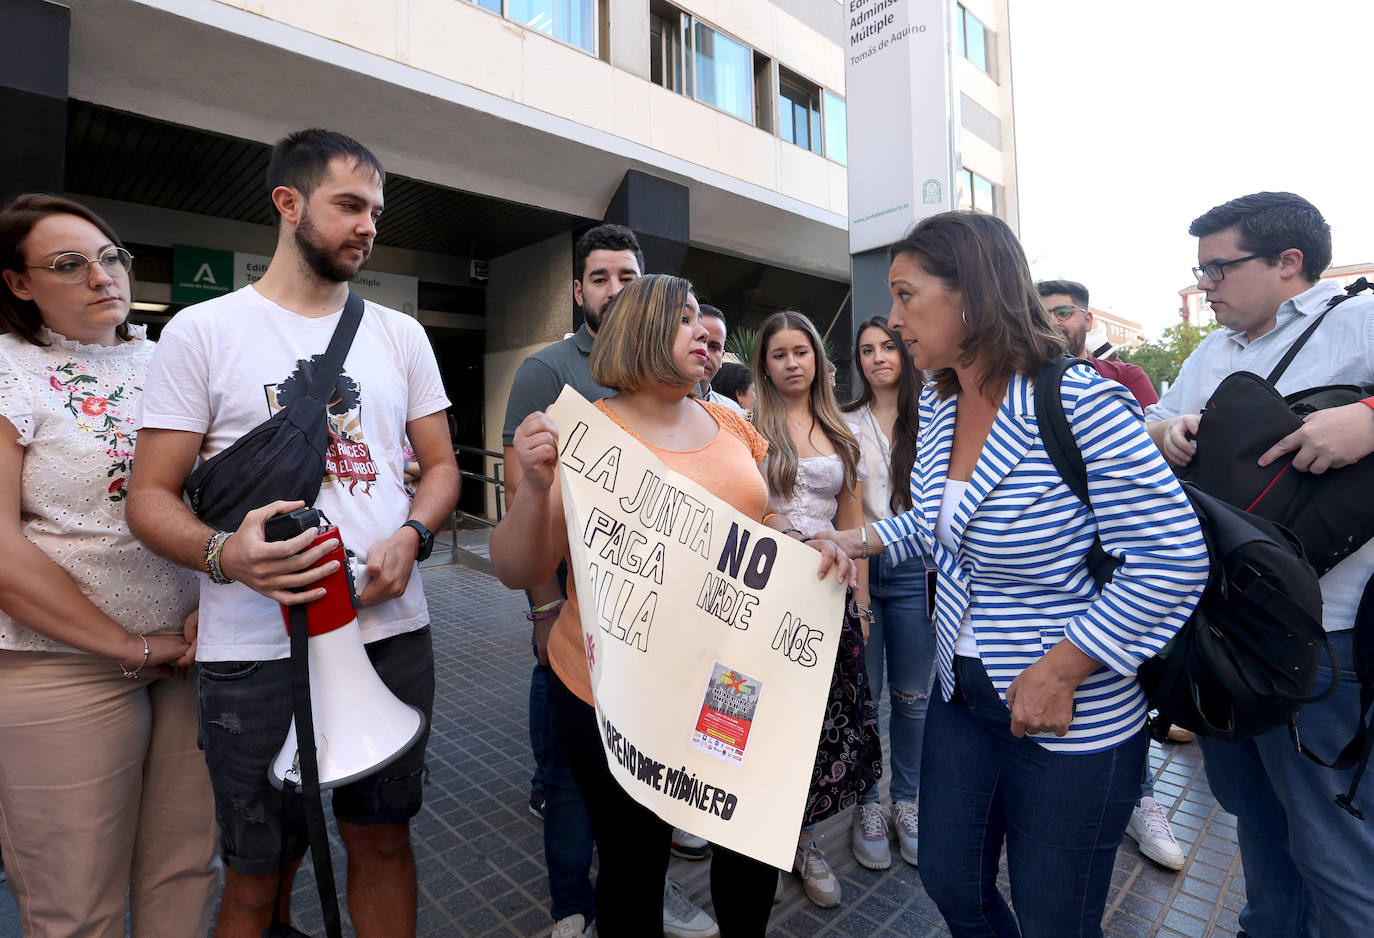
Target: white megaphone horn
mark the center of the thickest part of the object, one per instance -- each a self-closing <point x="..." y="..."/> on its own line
<point x="360" y="725"/>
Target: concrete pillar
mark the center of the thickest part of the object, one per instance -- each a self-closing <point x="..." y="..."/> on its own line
<point x="529" y="305"/>
<point x="33" y="96"/>
<point x="659" y="213"/>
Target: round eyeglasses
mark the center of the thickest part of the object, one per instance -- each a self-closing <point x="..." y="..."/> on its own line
<point x="75" y="267"/>
<point x="1065" y="312"/>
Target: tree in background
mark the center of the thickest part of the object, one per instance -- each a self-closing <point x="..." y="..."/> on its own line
<point x="1162" y="358"/>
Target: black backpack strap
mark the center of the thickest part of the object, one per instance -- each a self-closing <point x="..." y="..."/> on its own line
<point x="1057" y="437"/>
<point x="1359" y="286"/>
<point x="327" y="375"/>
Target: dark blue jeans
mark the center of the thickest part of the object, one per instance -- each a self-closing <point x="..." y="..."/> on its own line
<point x="1061" y="816"/>
<point x="567" y="828"/>
<point x="1307" y="861"/>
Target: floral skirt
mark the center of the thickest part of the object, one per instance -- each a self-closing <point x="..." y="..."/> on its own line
<point x="849" y="758"/>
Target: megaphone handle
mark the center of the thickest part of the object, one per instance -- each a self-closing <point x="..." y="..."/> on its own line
<point x="310" y="777"/>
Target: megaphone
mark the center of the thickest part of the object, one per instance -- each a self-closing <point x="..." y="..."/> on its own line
<point x="360" y="725"/>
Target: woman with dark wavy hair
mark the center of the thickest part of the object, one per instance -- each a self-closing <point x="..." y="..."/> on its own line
<point x="1036" y="737"/>
<point x="884" y="420"/>
<point x="104" y="796"/>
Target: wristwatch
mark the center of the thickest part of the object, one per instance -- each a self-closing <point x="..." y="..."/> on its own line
<point x="426" y="539"/>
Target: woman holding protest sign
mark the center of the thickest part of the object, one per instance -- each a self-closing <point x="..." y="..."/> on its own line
<point x="1037" y="735"/>
<point x="105" y="806"/>
<point x="815" y="475"/>
<point x="884" y="420"/>
<point x="651" y="349"/>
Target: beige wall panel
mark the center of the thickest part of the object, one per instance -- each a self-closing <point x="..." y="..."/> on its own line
<point x="810" y="54"/>
<point x="630" y="108"/>
<point x="561" y="80"/>
<point x="752" y="153"/>
<point x="465" y="43"/>
<point x="839" y="188"/>
<point x="369" y="25"/>
<point x="805" y="175"/>
<point x="983" y="158"/>
<point x="684" y="127"/>
<point x="976" y="83"/>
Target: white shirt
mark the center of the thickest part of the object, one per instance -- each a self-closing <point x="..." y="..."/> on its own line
<point x="73" y="406"/>
<point x="965" y="645"/>
<point x="221" y="369"/>
<point x="1341" y="351"/>
<point x="717" y="398"/>
<point x="875" y="451"/>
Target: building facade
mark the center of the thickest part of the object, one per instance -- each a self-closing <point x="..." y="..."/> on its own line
<point x="714" y="128"/>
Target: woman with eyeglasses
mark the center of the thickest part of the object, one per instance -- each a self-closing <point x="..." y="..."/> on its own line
<point x="104" y="796"/>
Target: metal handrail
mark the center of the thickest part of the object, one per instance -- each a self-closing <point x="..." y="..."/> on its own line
<point x="497" y="481"/>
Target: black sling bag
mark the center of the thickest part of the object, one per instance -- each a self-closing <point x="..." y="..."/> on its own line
<point x="282" y="458"/>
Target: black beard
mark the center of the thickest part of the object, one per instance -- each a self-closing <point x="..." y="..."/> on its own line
<point x="318" y="259"/>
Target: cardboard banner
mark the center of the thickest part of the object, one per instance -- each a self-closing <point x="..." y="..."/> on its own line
<point x="710" y="640"/>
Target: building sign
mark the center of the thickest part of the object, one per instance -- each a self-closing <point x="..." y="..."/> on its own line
<point x="710" y="642"/>
<point x="200" y="273"/>
<point x="398" y="291"/>
<point x="898" y="91"/>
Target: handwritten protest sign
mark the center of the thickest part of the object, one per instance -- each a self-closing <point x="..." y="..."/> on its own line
<point x="710" y="640"/>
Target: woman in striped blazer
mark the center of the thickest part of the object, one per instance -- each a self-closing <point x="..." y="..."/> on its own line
<point x="1036" y="738"/>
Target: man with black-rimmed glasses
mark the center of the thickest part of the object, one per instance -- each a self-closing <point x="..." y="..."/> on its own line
<point x="1260" y="261"/>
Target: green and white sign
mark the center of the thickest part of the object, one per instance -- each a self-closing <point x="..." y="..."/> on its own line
<point x="200" y="273"/>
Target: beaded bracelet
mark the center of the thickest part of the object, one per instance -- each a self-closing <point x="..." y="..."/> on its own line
<point x="212" y="554"/>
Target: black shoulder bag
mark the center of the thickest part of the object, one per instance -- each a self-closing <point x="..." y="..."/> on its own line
<point x="282" y="458"/>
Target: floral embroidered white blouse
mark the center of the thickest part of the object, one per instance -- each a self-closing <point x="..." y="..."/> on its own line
<point x="74" y="407"/>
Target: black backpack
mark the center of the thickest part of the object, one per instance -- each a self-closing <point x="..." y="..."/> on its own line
<point x="1246" y="660"/>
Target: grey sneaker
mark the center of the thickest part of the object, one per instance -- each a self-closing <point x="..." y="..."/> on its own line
<point x="682" y="919"/>
<point x="689" y="846"/>
<point x="908" y="830"/>
<point x="869" y="836"/>
<point x="574" y="926"/>
<point x="818" y="880"/>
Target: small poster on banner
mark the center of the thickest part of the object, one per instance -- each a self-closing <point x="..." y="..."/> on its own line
<point x="727" y="714"/>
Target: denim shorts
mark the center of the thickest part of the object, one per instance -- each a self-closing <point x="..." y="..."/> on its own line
<point x="245" y="712"/>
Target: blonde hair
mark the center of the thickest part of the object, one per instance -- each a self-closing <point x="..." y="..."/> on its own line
<point x="770" y="411"/>
<point x="634" y="346"/>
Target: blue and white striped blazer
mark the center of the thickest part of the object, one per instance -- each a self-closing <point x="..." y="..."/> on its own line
<point x="1022" y="539"/>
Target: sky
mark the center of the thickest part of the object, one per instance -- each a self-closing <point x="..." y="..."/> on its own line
<point x="1134" y="118"/>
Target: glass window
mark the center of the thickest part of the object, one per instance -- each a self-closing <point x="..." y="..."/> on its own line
<point x="799" y="115"/>
<point x="666" y="63"/>
<point x="492" y="5"/>
<point x="572" y="21"/>
<point x="724" y="72"/>
<point x="836" y="129"/>
<point x="977" y="192"/>
<point x="970" y="37"/>
<point x="965" y="189"/>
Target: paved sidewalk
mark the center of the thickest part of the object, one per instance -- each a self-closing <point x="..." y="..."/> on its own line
<point x="480" y="853"/>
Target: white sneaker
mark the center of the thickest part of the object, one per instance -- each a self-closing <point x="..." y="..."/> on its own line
<point x="868" y="838"/>
<point x="818" y="880"/>
<point x="682" y="919"/>
<point x="908" y="830"/>
<point x="1150" y="829"/>
<point x="574" y="926"/>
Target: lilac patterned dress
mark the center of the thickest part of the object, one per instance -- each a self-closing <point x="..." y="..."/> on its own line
<point x="849" y="757"/>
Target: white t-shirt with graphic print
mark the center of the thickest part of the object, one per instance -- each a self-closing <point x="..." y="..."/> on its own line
<point x="219" y="370"/>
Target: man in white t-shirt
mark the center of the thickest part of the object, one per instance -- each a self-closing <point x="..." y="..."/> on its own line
<point x="223" y="367"/>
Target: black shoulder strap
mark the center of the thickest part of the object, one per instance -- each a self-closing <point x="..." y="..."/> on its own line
<point x="324" y="379"/>
<point x="1057" y="436"/>
<point x="1359" y="286"/>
